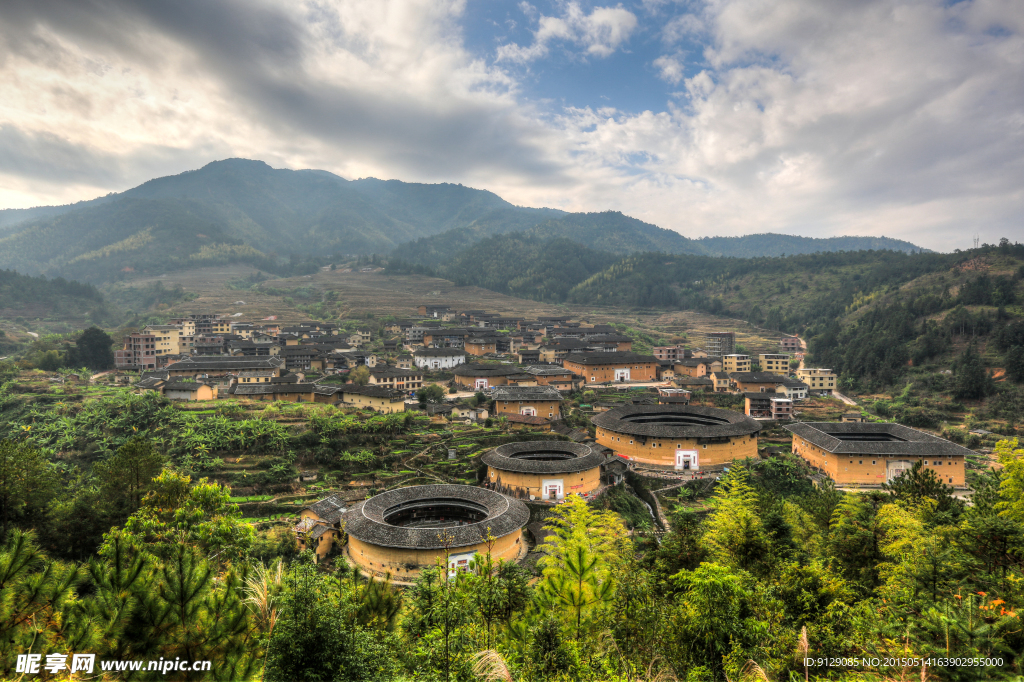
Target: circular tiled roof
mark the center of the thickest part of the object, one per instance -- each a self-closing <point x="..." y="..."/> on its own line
<point x="676" y="421"/>
<point x="479" y="370"/>
<point x="365" y="521"/>
<point x="517" y="457"/>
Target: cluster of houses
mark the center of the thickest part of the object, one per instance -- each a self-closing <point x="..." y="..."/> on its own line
<point x="525" y="369"/>
<point x="524" y="366"/>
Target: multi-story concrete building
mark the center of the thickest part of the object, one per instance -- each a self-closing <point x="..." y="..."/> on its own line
<point x="138" y="353"/>
<point x="818" y="380"/>
<point x="794" y="389"/>
<point x="736" y="363"/>
<point x="720" y="343"/>
<point x="789" y="343"/>
<point x="393" y="377"/>
<point x="775" y="363"/>
<point x="670" y="352"/>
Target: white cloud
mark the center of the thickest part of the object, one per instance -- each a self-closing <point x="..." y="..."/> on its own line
<point x="894" y="117"/>
<point x="670" y="68"/>
<point x="878" y="117"/>
<point x="599" y="33"/>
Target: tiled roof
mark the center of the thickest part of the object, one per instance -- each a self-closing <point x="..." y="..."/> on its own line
<point x="522" y="457"/>
<point x="615" y="358"/>
<point x="227" y="363"/>
<point x="267" y="389"/>
<point x="512" y="393"/>
<point x="393" y="372"/>
<point x="365" y="521"/>
<point x="679" y="421"/>
<point x="178" y="385"/>
<point x="329" y="509"/>
<point x="694" y="381"/>
<point x="913" y="442"/>
<point x="440" y="353"/>
<point x="371" y="391"/>
<point x="546" y="370"/>
<point x="480" y="370"/>
<point x="756" y="377"/>
<point x="609" y="338"/>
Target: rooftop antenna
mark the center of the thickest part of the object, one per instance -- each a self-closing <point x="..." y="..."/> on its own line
<point x="976" y="240"/>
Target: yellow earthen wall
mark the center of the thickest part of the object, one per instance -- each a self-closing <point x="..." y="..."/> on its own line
<point x="379" y="559"/>
<point x="586" y="480"/>
<point x="640" y="371"/>
<point x="871" y="469"/>
<point x="544" y="408"/>
<point x="471" y="381"/>
<point x="662" y="451"/>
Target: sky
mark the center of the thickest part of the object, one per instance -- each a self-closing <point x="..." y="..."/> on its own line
<point x="718" y="117"/>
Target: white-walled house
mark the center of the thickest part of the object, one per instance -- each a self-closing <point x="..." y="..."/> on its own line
<point x="439" y="358"/>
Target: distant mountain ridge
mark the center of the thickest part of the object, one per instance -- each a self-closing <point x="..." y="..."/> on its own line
<point x="245" y="210"/>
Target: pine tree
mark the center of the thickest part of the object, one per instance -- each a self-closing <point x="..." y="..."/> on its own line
<point x="970" y="381"/>
<point x="1015" y="364"/>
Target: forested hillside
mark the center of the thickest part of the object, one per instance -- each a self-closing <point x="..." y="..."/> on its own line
<point x="616" y="233"/>
<point x="242" y="210"/>
<point x="23" y="296"/>
<point x="875" y="316"/>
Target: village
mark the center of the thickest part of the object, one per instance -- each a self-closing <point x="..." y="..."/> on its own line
<point x="582" y="410"/>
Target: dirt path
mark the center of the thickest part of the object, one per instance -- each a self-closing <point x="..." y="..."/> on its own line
<point x="840" y="396"/>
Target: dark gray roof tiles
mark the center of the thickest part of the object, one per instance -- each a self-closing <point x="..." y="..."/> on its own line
<point x="479" y="370"/>
<point x="440" y="353"/>
<point x="228" y="363"/>
<point x="609" y="338"/>
<point x="178" y="385"/>
<point x="526" y="393"/>
<point x="365" y="521"/>
<point x="613" y="358"/>
<point x="318" y="530"/>
<point x="268" y="388"/>
<point x="329" y="509"/>
<point x="912" y="443"/>
<point x="546" y="370"/>
<point x="372" y="391"/>
<point x="693" y="421"/>
<point x="510" y="457"/>
<point x="756" y="377"/>
<point x="384" y="371"/>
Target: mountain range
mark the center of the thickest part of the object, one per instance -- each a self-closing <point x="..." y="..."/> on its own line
<point x="244" y="210"/>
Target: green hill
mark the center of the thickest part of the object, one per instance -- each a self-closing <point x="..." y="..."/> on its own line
<point x="238" y="209"/>
<point x="614" y="232"/>
<point x="22" y="296"/>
